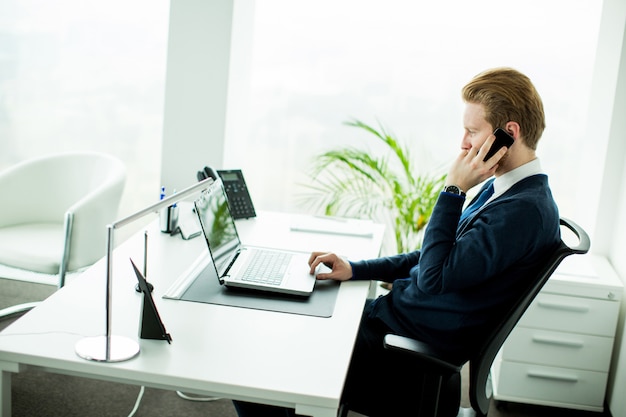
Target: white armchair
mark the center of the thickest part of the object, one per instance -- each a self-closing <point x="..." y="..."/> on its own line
<point x="55" y="210"/>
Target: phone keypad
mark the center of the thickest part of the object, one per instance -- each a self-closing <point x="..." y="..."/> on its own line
<point x="239" y="200"/>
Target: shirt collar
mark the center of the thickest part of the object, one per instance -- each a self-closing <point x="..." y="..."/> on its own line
<point x="505" y="181"/>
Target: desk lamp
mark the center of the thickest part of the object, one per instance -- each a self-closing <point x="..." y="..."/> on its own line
<point x="110" y="347"/>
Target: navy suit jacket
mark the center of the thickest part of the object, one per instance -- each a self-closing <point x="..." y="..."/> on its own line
<point x="450" y="293"/>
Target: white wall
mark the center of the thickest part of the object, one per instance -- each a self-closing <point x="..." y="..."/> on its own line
<point x="611" y="221"/>
<point x="196" y="89"/>
<point x="617" y="381"/>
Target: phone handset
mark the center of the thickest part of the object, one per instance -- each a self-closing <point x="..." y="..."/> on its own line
<point x="502" y="139"/>
<point x="206" y="172"/>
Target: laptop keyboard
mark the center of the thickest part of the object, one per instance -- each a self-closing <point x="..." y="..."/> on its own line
<point x="267" y="267"/>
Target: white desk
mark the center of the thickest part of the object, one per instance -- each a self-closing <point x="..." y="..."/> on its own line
<point x="216" y="350"/>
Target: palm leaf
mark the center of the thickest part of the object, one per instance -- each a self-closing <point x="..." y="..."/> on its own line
<point x="351" y="182"/>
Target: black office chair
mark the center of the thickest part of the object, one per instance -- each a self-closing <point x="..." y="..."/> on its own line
<point x="441" y="391"/>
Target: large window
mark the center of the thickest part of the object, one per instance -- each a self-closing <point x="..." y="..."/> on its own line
<point x="85" y="75"/>
<point x="316" y="64"/>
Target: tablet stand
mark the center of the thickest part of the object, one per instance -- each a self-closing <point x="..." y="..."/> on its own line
<point x="151" y="324"/>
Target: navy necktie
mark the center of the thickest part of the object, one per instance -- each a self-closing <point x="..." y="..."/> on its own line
<point x="478" y="203"/>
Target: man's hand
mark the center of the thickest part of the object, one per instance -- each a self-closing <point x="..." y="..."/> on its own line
<point x="341" y="270"/>
<point x="469" y="169"/>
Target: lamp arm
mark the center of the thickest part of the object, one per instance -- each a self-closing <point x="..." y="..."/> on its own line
<point x="166" y="202"/>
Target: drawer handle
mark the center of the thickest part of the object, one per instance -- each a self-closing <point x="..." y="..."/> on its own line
<point x="563" y="306"/>
<point x="553" y="376"/>
<point x="558" y="342"/>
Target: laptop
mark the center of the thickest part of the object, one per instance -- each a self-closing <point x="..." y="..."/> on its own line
<point x="248" y="267"/>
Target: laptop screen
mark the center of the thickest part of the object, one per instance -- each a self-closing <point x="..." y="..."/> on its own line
<point x="218" y="226"/>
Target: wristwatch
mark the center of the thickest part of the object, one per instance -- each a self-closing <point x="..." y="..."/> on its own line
<point x="454" y="189"/>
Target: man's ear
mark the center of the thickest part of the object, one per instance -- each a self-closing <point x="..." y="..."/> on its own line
<point x="513" y="129"/>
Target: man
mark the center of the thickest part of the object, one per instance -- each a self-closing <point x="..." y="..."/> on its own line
<point x="470" y="267"/>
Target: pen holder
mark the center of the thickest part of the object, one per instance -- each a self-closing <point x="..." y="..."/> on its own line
<point x="168" y="219"/>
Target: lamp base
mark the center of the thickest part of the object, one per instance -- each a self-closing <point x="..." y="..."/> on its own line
<point x="95" y="349"/>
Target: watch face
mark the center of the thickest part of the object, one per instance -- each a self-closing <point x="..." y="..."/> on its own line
<point x="453" y="189"/>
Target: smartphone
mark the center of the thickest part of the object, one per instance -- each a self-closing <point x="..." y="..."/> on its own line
<point x="502" y="139"/>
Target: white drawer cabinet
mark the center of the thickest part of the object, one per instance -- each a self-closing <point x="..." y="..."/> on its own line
<point x="559" y="349"/>
<point x="560" y="352"/>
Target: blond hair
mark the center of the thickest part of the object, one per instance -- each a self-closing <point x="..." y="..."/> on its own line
<point x="507" y="95"/>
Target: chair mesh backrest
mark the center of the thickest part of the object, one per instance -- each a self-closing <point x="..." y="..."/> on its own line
<point x="480" y="364"/>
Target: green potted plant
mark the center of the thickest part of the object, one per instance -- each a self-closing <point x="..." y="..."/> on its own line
<point x="351" y="182"/>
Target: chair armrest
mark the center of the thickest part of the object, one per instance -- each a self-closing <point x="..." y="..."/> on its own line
<point x="430" y="356"/>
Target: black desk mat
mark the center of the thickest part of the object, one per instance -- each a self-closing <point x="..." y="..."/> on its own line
<point x="206" y="289"/>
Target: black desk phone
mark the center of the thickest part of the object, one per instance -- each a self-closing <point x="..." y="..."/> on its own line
<point x="239" y="200"/>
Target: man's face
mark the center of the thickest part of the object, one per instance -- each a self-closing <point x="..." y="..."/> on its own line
<point x="477" y="129"/>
